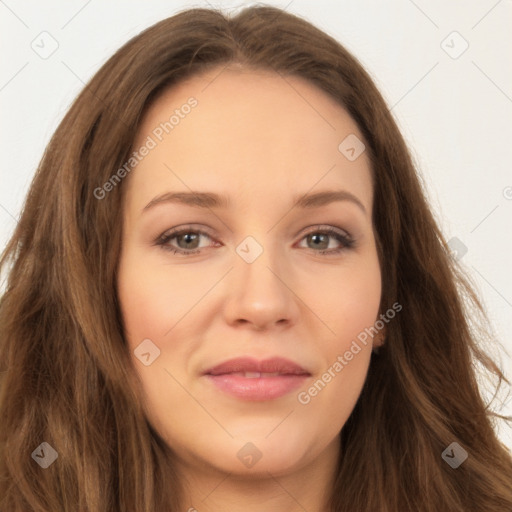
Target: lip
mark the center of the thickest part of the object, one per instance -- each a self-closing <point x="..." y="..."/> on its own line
<point x="239" y="377"/>
<point x="248" y="364"/>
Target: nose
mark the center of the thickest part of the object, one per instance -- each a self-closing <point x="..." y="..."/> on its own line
<point x="261" y="294"/>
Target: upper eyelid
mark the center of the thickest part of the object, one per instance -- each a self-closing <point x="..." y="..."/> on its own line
<point x="207" y="231"/>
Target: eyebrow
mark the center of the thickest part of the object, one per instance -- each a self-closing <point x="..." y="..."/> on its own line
<point x="213" y="200"/>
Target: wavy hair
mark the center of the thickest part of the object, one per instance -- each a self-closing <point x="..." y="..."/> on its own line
<point x="68" y="379"/>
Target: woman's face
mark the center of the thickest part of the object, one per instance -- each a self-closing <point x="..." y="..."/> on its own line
<point x="251" y="274"/>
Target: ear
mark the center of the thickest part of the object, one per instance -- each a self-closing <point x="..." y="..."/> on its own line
<point x="379" y="338"/>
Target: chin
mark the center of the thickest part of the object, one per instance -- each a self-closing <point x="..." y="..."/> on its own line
<point x="258" y="455"/>
<point x="259" y="460"/>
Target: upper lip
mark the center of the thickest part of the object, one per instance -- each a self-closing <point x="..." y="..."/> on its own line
<point x="248" y="364"/>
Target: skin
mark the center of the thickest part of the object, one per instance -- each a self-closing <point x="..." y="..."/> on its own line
<point x="261" y="140"/>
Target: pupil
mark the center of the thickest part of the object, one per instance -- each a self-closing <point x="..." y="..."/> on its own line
<point x="316" y="237"/>
<point x="189" y="237"/>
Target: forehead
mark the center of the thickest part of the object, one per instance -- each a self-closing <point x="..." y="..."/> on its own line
<point x="250" y="130"/>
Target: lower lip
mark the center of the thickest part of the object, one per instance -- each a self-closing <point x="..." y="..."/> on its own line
<point x="261" y="388"/>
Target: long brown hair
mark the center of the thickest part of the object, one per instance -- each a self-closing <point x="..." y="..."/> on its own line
<point x="68" y="378"/>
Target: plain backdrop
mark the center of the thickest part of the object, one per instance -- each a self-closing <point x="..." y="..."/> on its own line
<point x="443" y="67"/>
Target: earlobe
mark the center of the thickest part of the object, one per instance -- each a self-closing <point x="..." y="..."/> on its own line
<point x="379" y="340"/>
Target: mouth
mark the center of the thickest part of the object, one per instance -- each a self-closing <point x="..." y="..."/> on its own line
<point x="250" y="379"/>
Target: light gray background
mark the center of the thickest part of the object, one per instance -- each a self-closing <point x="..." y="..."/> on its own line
<point x="455" y="113"/>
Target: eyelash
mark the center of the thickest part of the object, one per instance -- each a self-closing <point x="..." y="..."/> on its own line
<point x="345" y="240"/>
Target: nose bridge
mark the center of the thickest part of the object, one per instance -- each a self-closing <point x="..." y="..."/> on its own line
<point x="257" y="263"/>
<point x="259" y="294"/>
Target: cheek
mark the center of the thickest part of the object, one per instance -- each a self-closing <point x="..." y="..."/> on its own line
<point x="160" y="304"/>
<point x="349" y="302"/>
<point x="350" y="307"/>
<point x="153" y="300"/>
<point x="152" y="303"/>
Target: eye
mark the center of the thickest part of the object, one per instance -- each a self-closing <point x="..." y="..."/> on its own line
<point x="187" y="240"/>
<point x="319" y="238"/>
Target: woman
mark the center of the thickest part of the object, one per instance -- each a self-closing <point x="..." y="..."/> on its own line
<point x="228" y="292"/>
